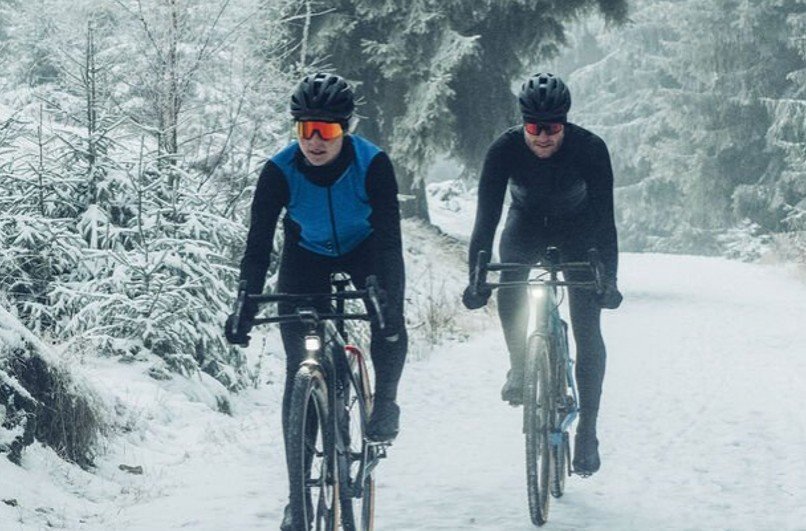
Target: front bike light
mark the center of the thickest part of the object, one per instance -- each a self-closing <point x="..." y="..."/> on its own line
<point x="313" y="343"/>
<point x="537" y="293"/>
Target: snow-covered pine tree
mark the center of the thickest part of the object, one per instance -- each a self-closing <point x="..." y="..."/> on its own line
<point x="787" y="133"/>
<point x="687" y="164"/>
<point x="436" y="76"/>
<point x="121" y="238"/>
<point x="622" y="91"/>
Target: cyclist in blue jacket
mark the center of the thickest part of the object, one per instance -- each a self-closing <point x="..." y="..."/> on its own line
<point x="341" y="214"/>
<point x="561" y="184"/>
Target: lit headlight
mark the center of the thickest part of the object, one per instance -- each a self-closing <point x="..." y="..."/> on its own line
<point x="536" y="293"/>
<point x="312" y="343"/>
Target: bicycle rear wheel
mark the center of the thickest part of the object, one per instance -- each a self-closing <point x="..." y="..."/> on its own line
<point x="537" y="425"/>
<point x="313" y="479"/>
<point x="358" y="483"/>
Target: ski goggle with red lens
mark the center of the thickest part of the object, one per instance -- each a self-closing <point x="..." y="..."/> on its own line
<point x="326" y="130"/>
<point x="551" y="128"/>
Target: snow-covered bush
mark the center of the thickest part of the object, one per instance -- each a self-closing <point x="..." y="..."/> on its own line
<point x="143" y="265"/>
<point x="40" y="400"/>
<point x="160" y="283"/>
<point x="121" y="220"/>
<point x="746" y="241"/>
<point x="795" y="240"/>
<point x="433" y="290"/>
<point x="436" y="308"/>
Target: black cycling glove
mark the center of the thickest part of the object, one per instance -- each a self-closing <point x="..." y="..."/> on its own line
<point x="611" y="297"/>
<point x="241" y="335"/>
<point x="473" y="299"/>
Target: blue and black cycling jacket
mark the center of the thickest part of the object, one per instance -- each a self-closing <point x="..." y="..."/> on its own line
<point x="329" y="210"/>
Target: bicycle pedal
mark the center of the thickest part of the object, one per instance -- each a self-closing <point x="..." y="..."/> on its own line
<point x="380" y="442"/>
<point x="378" y="449"/>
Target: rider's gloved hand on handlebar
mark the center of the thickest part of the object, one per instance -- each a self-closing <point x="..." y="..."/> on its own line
<point x="611" y="297"/>
<point x="473" y="299"/>
<point x="241" y="335"/>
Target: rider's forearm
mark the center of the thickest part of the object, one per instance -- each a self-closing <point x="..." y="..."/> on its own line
<point x="391" y="269"/>
<point x="385" y="220"/>
<point x="382" y="193"/>
<point x="601" y="193"/>
<point x="270" y="197"/>
<point x="608" y="249"/>
<point x="492" y="188"/>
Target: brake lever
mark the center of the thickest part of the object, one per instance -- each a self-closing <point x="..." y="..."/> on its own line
<point x="373" y="294"/>
<point x="240" y="303"/>
<point x="480" y="273"/>
<point x="598" y="267"/>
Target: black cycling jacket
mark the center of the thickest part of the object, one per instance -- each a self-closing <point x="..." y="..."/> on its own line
<point x="565" y="200"/>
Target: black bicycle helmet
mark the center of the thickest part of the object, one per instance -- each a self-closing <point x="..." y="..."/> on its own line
<point x="323" y="96"/>
<point x="544" y="97"/>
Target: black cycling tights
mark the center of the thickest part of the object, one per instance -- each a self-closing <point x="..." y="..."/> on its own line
<point x="585" y="318"/>
<point x="302" y="271"/>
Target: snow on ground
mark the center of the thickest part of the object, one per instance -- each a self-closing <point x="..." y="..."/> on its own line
<point x="198" y="468"/>
<point x="702" y="425"/>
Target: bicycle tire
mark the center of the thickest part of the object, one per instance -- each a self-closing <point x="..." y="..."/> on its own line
<point x="558" y="467"/>
<point x="559" y="452"/>
<point x="313" y="479"/>
<point x="357" y="512"/>
<point x="536" y="425"/>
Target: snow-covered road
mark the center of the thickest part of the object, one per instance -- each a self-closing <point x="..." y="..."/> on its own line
<point x="702" y="427"/>
<point x="702" y="424"/>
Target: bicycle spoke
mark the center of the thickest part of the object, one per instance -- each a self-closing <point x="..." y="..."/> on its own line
<point x="358" y="498"/>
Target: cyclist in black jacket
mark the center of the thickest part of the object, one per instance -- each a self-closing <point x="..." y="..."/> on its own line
<point x="341" y="214"/>
<point x="561" y="187"/>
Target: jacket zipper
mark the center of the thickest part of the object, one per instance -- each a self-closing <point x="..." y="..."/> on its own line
<point x="333" y="220"/>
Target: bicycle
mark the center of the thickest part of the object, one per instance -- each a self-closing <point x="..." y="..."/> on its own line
<point x="549" y="392"/>
<point x="331" y="462"/>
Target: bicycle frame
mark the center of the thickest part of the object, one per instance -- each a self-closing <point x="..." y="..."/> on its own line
<point x="548" y="324"/>
<point x="546" y="320"/>
<point x="328" y="351"/>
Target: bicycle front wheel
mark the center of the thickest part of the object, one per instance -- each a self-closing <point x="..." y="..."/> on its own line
<point x="537" y="425"/>
<point x="311" y="452"/>
<point x="358" y="481"/>
<point x="563" y="404"/>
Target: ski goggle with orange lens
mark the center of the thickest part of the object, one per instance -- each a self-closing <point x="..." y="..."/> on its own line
<point x="326" y="130"/>
<point x="551" y="128"/>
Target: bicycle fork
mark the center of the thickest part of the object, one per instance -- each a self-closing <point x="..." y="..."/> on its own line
<point x="571" y="409"/>
<point x="559" y="436"/>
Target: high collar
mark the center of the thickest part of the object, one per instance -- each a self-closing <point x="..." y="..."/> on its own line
<point x="327" y="174"/>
